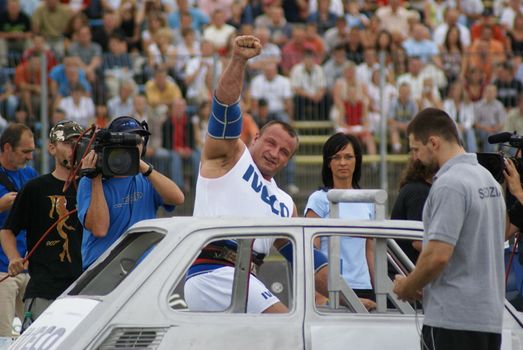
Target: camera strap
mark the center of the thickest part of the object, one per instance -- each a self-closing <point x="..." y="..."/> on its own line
<point x="6" y="182"/>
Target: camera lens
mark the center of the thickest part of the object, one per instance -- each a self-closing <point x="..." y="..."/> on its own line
<point x="120" y="161"/>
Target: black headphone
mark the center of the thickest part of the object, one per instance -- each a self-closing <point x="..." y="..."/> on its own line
<point x="131" y="125"/>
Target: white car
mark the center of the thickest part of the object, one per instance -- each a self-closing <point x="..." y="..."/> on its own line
<point x="132" y="296"/>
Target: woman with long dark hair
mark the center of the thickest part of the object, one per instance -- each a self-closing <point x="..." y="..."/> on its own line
<point x="341" y="169"/>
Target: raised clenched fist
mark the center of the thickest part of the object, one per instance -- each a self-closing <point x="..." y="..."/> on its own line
<point x="246" y="46"/>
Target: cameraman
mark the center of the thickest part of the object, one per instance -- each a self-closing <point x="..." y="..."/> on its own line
<point x="107" y="207"/>
<point x="515" y="212"/>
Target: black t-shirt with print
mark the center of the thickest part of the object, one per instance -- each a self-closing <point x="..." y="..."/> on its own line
<point x="57" y="261"/>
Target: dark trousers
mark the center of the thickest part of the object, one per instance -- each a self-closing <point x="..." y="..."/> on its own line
<point x="435" y="338"/>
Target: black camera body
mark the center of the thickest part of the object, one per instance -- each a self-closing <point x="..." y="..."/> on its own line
<point x="495" y="162"/>
<point x="118" y="153"/>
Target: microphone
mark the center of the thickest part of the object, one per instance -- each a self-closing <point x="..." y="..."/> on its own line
<point x="65" y="162"/>
<point x="500" y="137"/>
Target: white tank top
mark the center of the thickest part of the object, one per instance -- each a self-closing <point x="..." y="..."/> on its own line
<point x="242" y="192"/>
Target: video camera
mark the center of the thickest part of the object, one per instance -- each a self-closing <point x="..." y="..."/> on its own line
<point x="117" y="152"/>
<point x="495" y="162"/>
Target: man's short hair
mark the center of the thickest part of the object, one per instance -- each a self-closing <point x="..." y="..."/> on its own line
<point x="12" y="135"/>
<point x="433" y="122"/>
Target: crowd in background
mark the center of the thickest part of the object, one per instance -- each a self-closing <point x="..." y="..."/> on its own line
<point x="158" y="60"/>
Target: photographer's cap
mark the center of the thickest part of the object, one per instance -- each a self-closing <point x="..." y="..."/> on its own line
<point x="130" y="125"/>
<point x="65" y="130"/>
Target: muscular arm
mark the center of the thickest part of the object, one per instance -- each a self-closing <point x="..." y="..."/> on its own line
<point x="220" y="155"/>
<point x="431" y="262"/>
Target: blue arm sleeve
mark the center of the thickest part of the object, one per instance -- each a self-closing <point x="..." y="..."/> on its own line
<point x="225" y="122"/>
<point x="320" y="260"/>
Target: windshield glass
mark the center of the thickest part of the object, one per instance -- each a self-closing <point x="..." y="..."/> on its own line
<point x="109" y="273"/>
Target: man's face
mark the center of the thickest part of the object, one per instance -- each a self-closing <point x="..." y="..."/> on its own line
<point x="272" y="150"/>
<point x="423" y="153"/>
<point x="62" y="151"/>
<point x="21" y="154"/>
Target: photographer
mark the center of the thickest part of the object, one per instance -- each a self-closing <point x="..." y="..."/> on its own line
<point x="515" y="212"/>
<point x="107" y="207"/>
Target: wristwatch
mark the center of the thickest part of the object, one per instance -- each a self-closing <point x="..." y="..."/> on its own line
<point x="149" y="171"/>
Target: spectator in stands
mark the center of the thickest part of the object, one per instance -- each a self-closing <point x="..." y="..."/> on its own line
<point x="110" y="26"/>
<point x="428" y="98"/>
<point x="459" y="107"/>
<point x="486" y="19"/>
<point x="475" y="83"/>
<point x="122" y="104"/>
<point x="514" y="120"/>
<point x="369" y="34"/>
<point x="88" y="52"/>
<point x="509" y="88"/>
<point x="50" y="19"/>
<point x="281" y="30"/>
<point x="354" y="17"/>
<point x="162" y="51"/>
<point x="515" y="37"/>
<point x="180" y="135"/>
<point x="418" y="45"/>
<point x="209" y="7"/>
<point x="78" y="107"/>
<point x="401" y="112"/>
<point x="76" y="22"/>
<point x="262" y="115"/>
<point x="509" y="14"/>
<point x="451" y="20"/>
<point x="66" y="75"/>
<point x="293" y="52"/>
<point x="199" y="74"/>
<point x="375" y="100"/>
<point x="323" y="17"/>
<point x="309" y="86"/>
<point x="129" y="24"/>
<point x="249" y="127"/>
<point x="276" y="90"/>
<point x="240" y="16"/>
<point x="452" y="55"/>
<point x="334" y="66"/>
<point x="415" y="77"/>
<point x="117" y="65"/>
<point x="187" y="48"/>
<point x="15" y="30"/>
<point x="353" y="117"/>
<point x="37" y="47"/>
<point x="485" y="53"/>
<point x="472" y="10"/>
<point x="218" y="32"/>
<point x="490" y="117"/>
<point x="314" y="41"/>
<point x="198" y="17"/>
<point x="155" y="21"/>
<point x="8" y="98"/>
<point x="394" y="18"/>
<point x="336" y="35"/>
<point x="161" y="90"/>
<point x="354" y="46"/>
<point x="270" y="52"/>
<point x="28" y="84"/>
<point x="369" y="64"/>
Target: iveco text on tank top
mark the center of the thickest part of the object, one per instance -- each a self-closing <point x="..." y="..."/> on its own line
<point x="242" y="192"/>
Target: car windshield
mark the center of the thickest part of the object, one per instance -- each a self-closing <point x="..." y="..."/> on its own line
<point x="106" y="275"/>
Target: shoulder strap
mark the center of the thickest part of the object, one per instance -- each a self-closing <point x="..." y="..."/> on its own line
<point x="6" y="182"/>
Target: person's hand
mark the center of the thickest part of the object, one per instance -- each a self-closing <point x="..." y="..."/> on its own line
<point x="6" y="202"/>
<point x="404" y="293"/>
<point x="15" y="267"/>
<point x="246" y="46"/>
<point x="513" y="179"/>
<point x="369" y="304"/>
<point x="89" y="161"/>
